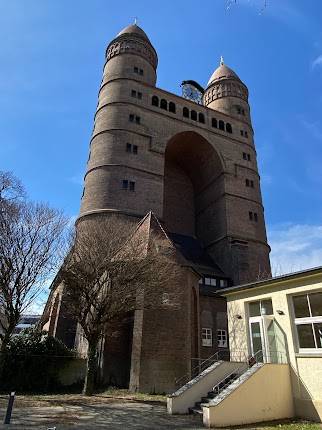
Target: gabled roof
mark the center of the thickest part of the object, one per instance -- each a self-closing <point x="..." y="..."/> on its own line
<point x="195" y="255"/>
<point x="189" y="249"/>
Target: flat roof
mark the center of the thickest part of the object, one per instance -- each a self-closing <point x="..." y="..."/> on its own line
<point x="269" y="281"/>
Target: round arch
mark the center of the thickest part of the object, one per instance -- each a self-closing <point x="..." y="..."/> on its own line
<point x="192" y="181"/>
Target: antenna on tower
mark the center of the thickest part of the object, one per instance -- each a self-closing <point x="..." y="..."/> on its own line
<point x="135" y="20"/>
<point x="221" y="60"/>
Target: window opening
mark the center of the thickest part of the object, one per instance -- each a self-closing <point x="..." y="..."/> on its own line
<point x="155" y="101"/>
<point x="185" y="112"/>
<point x="172" y="107"/>
<point x="222" y="338"/>
<point x="206" y="337"/>
<point x="221" y="125"/>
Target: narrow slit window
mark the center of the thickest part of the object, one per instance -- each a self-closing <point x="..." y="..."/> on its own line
<point x="135" y="149"/>
<point x="172" y="107"/>
<point x="132" y="186"/>
<point x="164" y="104"/>
<point x="125" y="184"/>
<point x="193" y="115"/>
<point x="229" y="128"/>
<point x="155" y="101"/>
<point x="214" y="123"/>
<point x="221" y="125"/>
<point x="201" y="118"/>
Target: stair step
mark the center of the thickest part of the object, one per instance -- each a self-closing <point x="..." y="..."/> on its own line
<point x="195" y="411"/>
<point x="205" y="399"/>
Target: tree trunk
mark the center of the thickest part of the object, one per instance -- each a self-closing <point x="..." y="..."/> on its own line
<point x="91" y="368"/>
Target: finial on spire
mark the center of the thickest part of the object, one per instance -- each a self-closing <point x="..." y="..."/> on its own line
<point x="221" y="60"/>
<point x="135" y="20"/>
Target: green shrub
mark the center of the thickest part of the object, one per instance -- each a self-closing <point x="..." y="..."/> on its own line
<point x="32" y="361"/>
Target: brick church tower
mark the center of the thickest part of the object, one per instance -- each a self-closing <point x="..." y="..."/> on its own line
<point x="193" y="165"/>
<point x="192" y="162"/>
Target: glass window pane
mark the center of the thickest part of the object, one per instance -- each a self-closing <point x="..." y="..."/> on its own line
<point x="256" y="337"/>
<point x="305" y="334"/>
<point x="254" y="309"/>
<point x="318" y="334"/>
<point x="213" y="282"/>
<point x="266" y="307"/>
<point x="316" y="304"/>
<point x="301" y="307"/>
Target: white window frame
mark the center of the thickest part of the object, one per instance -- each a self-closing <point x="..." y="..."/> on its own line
<point x="222" y="338"/>
<point x="307" y="320"/>
<point x="206" y="336"/>
<point x="211" y="282"/>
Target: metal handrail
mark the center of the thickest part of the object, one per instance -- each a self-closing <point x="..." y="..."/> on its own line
<point x="187" y="377"/>
<point x="240" y="355"/>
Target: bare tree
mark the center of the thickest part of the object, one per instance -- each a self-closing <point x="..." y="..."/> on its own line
<point x="30" y="238"/>
<point x="11" y="189"/>
<point x="112" y="270"/>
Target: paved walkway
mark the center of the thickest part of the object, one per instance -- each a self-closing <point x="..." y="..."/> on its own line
<point x="114" y="415"/>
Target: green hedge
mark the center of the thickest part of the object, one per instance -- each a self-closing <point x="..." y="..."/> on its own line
<point x="31" y="363"/>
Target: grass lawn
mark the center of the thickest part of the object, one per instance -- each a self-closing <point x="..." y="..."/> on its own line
<point x="101" y="397"/>
<point x="285" y="425"/>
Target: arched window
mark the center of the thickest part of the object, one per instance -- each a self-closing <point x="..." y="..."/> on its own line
<point x="164" y="104"/>
<point x="155" y="101"/>
<point x="221" y="125"/>
<point x="185" y="112"/>
<point x="229" y="128"/>
<point x="202" y="118"/>
<point x="172" y="107"/>
<point x="214" y="123"/>
<point x="193" y="115"/>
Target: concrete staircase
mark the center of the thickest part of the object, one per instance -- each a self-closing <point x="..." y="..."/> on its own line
<point x="216" y="390"/>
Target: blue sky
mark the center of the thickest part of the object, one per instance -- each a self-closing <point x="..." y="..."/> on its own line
<point x="51" y="59"/>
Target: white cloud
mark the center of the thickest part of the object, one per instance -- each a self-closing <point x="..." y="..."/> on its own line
<point x="317" y="62"/>
<point x="295" y="247"/>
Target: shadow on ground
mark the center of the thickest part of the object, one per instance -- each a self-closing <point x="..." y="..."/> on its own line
<point x="114" y="415"/>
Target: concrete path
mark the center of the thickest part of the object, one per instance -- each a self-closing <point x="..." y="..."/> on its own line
<point x="114" y="415"/>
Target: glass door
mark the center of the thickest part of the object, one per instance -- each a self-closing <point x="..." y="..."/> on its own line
<point x="257" y="338"/>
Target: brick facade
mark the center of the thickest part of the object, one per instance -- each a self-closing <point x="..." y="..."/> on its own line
<point x="198" y="174"/>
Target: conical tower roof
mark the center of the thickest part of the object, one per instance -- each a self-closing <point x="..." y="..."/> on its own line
<point x="223" y="72"/>
<point x="134" y="30"/>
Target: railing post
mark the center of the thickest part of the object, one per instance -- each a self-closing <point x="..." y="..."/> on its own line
<point x="9" y="408"/>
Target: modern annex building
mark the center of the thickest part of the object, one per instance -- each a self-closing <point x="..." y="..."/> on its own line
<point x="190" y="163"/>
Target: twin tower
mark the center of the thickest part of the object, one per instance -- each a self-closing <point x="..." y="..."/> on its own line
<point x="192" y="164"/>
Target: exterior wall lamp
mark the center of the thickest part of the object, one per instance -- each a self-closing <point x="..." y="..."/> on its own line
<point x="238" y="317"/>
<point x="280" y="312"/>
